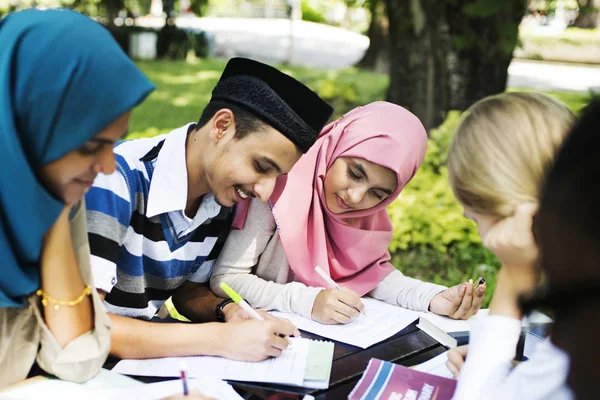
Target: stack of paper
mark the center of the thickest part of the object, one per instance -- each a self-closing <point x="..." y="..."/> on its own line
<point x="445" y="330"/>
<point x="381" y="321"/>
<point x="304" y="363"/>
<point x="441" y="328"/>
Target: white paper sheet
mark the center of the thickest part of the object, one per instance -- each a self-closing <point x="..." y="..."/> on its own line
<point x="448" y="324"/>
<point x="289" y="368"/>
<point x="436" y="366"/>
<point x="381" y="321"/>
<point x="51" y="388"/>
<point x="210" y="387"/>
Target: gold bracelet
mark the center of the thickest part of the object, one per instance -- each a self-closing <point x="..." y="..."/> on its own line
<point x="57" y="303"/>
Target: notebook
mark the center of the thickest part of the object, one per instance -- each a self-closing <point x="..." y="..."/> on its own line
<point x="436" y="366"/>
<point x="210" y="387"/>
<point x="306" y="363"/>
<point x="381" y="321"/>
<point x="53" y="388"/>
<point x="386" y="380"/>
<point x="318" y="365"/>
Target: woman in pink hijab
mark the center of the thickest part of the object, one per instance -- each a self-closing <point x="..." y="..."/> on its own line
<point x="330" y="212"/>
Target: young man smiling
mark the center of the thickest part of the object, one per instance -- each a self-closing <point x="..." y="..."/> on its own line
<point x="157" y="225"/>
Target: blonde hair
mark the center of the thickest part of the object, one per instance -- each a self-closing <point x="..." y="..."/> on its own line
<point x="502" y="149"/>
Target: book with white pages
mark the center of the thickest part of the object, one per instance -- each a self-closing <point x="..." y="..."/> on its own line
<point x="446" y="330"/>
<point x="304" y="358"/>
<point x="381" y="321"/>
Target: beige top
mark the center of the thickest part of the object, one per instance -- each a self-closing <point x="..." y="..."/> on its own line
<point x="24" y="336"/>
<point x="253" y="263"/>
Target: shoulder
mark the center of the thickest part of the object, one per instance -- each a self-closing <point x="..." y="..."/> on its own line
<point x="260" y="216"/>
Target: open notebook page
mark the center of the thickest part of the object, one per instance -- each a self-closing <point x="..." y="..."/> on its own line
<point x="289" y="368"/>
<point x="436" y="366"/>
<point x="210" y="387"/>
<point x="381" y="321"/>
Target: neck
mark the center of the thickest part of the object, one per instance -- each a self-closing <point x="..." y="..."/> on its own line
<point x="197" y="140"/>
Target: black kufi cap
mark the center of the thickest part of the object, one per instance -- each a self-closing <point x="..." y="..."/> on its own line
<point x="278" y="99"/>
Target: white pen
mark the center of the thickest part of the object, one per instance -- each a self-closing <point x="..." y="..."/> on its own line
<point x="334" y="285"/>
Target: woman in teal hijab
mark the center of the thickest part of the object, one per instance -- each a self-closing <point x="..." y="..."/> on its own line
<point x="66" y="92"/>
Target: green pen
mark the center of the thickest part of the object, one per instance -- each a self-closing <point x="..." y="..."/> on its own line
<point x="237" y="299"/>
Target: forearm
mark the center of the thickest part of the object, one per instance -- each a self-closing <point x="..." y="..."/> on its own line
<point x="292" y="297"/>
<point x="61" y="279"/>
<point x="406" y="292"/>
<point x="508" y="289"/>
<point x="196" y="302"/>
<point x="133" y="338"/>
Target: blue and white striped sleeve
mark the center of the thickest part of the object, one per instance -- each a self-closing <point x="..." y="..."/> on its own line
<point x="109" y="213"/>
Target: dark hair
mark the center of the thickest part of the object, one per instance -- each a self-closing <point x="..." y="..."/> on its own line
<point x="245" y="121"/>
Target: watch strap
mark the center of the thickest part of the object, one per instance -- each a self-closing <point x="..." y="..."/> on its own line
<point x="219" y="310"/>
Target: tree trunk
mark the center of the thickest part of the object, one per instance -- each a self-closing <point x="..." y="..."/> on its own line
<point x="418" y="71"/>
<point x="112" y="8"/>
<point x="483" y="45"/>
<point x="588" y="14"/>
<point x="447" y="55"/>
<point x="377" y="57"/>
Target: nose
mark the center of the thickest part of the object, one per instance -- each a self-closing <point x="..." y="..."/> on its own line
<point x="356" y="193"/>
<point x="105" y="162"/>
<point x="264" y="188"/>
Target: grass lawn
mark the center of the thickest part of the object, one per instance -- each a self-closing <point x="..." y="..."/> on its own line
<point x="183" y="89"/>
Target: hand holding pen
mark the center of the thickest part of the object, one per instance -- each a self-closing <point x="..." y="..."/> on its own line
<point x="336" y="305"/>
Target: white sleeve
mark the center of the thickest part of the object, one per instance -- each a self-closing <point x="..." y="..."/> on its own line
<point x="400" y="290"/>
<point x="241" y="253"/>
<point x="487" y="372"/>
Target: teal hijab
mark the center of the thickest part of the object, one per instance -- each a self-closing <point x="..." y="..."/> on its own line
<point x="63" y="79"/>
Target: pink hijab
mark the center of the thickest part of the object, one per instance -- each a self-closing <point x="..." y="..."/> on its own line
<point x="352" y="247"/>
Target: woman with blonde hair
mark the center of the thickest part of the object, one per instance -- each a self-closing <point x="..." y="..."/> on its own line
<point x="497" y="162"/>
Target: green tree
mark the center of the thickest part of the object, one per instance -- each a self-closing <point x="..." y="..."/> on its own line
<point x="447" y="55"/>
<point x="377" y="55"/>
<point x="588" y="14"/>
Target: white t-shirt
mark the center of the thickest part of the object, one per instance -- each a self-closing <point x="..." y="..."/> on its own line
<point x="487" y="372"/>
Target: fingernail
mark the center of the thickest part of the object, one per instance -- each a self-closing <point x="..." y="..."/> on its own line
<point x="463" y="289"/>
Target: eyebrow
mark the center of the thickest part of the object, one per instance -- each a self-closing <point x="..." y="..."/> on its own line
<point x="102" y="140"/>
<point x="108" y="141"/>
<point x="273" y="164"/>
<point x="363" y="171"/>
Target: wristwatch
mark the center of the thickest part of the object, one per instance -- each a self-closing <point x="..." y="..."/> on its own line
<point x="219" y="310"/>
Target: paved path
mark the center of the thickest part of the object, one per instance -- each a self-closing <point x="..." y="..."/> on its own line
<point x="325" y="47"/>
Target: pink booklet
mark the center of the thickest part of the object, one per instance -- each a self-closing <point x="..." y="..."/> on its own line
<point x="385" y="380"/>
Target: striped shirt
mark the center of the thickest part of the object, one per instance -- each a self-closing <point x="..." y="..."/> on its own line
<point x="143" y="245"/>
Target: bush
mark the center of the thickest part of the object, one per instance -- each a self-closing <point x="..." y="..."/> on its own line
<point x="432" y="239"/>
<point x="310" y="14"/>
<point x="172" y="43"/>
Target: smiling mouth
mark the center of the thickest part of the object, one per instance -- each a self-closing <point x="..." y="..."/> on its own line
<point x="242" y="194"/>
<point x="85" y="182"/>
<point x="342" y="203"/>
